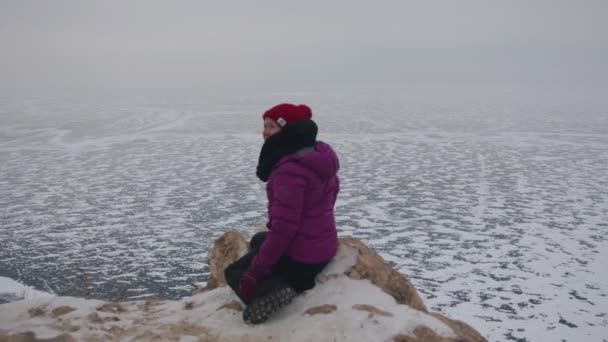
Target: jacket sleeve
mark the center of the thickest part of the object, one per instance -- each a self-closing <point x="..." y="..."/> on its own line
<point x="285" y="216"/>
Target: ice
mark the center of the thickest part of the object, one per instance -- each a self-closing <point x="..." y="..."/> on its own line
<point x="498" y="219"/>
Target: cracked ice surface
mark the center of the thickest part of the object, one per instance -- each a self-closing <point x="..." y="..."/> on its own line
<point x="495" y="207"/>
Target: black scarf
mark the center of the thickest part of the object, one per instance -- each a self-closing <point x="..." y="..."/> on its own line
<point x="290" y="139"/>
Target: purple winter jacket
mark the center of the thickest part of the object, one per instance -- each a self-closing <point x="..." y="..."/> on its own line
<point x="302" y="190"/>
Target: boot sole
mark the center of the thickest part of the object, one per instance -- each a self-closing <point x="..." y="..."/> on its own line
<point x="261" y="309"/>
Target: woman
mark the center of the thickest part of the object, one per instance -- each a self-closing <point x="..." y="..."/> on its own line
<point x="302" y="186"/>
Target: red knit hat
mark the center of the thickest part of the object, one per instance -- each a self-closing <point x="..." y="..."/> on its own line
<point x="286" y="113"/>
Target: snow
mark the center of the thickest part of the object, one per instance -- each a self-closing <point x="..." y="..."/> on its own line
<point x="291" y="323"/>
<point x="11" y="290"/>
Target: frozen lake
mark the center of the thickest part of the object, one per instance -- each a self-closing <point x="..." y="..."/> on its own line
<point x="494" y="202"/>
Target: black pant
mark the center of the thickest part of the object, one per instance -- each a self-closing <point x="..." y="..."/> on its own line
<point x="287" y="272"/>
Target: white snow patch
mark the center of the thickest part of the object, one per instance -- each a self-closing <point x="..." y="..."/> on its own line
<point x="11" y="287"/>
<point x="291" y="323"/>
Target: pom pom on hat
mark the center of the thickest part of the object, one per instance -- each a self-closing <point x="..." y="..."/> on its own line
<point x="286" y="113"/>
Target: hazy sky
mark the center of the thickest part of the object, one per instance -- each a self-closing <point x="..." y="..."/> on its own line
<point x="180" y="43"/>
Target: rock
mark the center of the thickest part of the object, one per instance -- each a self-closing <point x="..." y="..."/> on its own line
<point x="29" y="336"/>
<point x="372" y="266"/>
<point x="95" y="318"/>
<point x="62" y="310"/>
<point x="226" y="249"/>
<point x="323" y="278"/>
<point x="358" y="297"/>
<point x="233" y="305"/>
<point x="371" y="309"/>
<point x="150" y="305"/>
<point x="369" y="265"/>
<point x="112" y="307"/>
<point x="424" y="334"/>
<point x="36" y="311"/>
<point x="321" y="309"/>
<point x="463" y="330"/>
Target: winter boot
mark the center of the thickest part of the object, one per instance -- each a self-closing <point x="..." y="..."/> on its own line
<point x="261" y="308"/>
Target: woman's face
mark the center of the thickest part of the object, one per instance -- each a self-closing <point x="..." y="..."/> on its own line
<point x="271" y="128"/>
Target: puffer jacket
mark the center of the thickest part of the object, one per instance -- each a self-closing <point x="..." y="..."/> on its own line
<point x="302" y="191"/>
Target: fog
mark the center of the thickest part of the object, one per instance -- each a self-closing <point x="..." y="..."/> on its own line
<point x="472" y="135"/>
<point x="284" y="45"/>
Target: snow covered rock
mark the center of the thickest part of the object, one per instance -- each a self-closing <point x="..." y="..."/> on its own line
<point x="359" y="297"/>
<point x="226" y="249"/>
